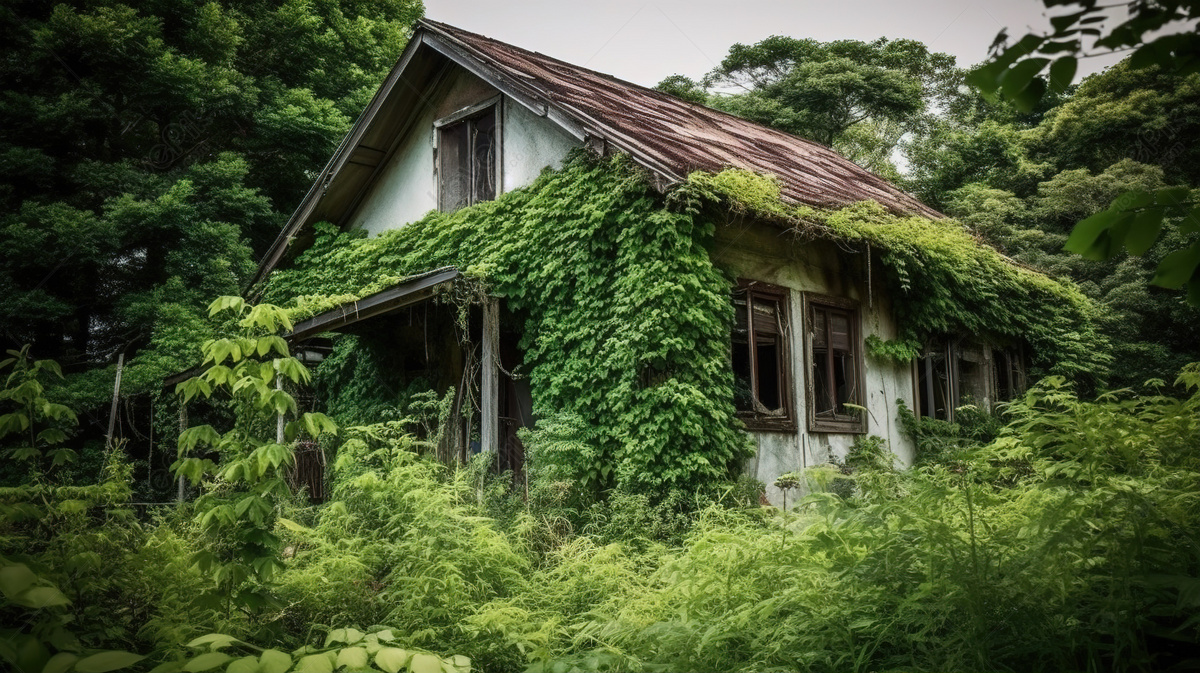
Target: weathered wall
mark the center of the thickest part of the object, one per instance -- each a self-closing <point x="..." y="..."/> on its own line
<point x="765" y="253"/>
<point x="531" y="143"/>
<point x="406" y="188"/>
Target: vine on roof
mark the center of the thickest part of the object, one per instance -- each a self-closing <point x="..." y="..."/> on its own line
<point x="626" y="320"/>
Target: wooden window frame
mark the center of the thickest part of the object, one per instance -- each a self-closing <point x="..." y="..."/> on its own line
<point x="465" y="115"/>
<point x="764" y="419"/>
<point x="991" y="360"/>
<point x="856" y="425"/>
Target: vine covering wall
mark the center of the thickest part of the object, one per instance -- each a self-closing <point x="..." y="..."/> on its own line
<point x="943" y="281"/>
<point x="626" y="319"/>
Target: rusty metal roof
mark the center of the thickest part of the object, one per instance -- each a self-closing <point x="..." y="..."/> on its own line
<point x="672" y="137"/>
<point x="666" y="135"/>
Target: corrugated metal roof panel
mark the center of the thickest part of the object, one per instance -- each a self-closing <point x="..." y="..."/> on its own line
<point x="674" y="137"/>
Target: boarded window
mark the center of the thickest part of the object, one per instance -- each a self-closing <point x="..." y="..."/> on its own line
<point x="761" y="363"/>
<point x="835" y="365"/>
<point x="467" y="160"/>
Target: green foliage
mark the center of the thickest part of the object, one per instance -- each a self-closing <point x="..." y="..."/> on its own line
<point x="1015" y="71"/>
<point x="400" y="544"/>
<point x="858" y="97"/>
<point x="50" y="555"/>
<point x="38" y="424"/>
<point x="1133" y="222"/>
<point x="151" y="151"/>
<point x="895" y="350"/>
<point x="625" y="319"/>
<point x="1151" y="330"/>
<point x="238" y="510"/>
<point x="344" y="649"/>
<point x="947" y="283"/>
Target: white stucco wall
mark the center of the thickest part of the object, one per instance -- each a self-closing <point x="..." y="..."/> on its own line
<point x="406" y="188"/>
<point x="531" y="143"/>
<point x="764" y="253"/>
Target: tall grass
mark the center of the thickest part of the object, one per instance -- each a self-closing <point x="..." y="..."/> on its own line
<point x="1067" y="543"/>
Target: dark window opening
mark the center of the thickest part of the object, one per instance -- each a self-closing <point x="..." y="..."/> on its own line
<point x="467" y="158"/>
<point x="933" y="385"/>
<point x="835" y="366"/>
<point x="761" y="366"/>
<point x="1010" y="374"/>
<point x="950" y="375"/>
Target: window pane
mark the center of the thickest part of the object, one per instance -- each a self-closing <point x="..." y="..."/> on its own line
<point x="770" y="370"/>
<point x="483" y="151"/>
<point x="846" y="382"/>
<point x="822" y="390"/>
<point x="454" y="170"/>
<point x="839" y="321"/>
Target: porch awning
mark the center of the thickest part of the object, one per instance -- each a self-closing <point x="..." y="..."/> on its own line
<point x="407" y="292"/>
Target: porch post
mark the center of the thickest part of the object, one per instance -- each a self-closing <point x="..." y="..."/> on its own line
<point x="489" y="393"/>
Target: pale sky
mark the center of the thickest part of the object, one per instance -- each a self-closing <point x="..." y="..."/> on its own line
<point x="645" y="41"/>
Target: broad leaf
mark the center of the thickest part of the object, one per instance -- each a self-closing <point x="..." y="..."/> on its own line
<point x="314" y="663"/>
<point x="274" y="661"/>
<point x="391" y="659"/>
<point x="107" y="661"/>
<point x="425" y="663"/>
<point x="352" y="657"/>
<point x="206" y="661"/>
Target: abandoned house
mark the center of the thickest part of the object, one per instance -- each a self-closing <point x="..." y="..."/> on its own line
<point x="463" y="119"/>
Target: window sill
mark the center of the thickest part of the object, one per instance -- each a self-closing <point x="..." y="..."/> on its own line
<point x="842" y="425"/>
<point x="759" y="423"/>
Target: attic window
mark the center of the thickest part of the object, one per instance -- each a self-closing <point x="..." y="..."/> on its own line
<point x="761" y="362"/>
<point x="468" y="151"/>
<point x="835" y="381"/>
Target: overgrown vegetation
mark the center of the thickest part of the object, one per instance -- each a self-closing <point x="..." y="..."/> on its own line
<point x="1057" y="535"/>
<point x="625" y="319"/>
<point x="1064" y="543"/>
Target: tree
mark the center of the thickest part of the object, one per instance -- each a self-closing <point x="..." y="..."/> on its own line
<point x="1133" y="220"/>
<point x="148" y="152"/>
<point x="859" y="97"/>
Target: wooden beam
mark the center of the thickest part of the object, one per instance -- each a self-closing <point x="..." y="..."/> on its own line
<point x="409" y="291"/>
<point x="489" y="394"/>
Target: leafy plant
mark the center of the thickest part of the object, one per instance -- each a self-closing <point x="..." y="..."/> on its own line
<point x="37" y="422"/>
<point x="247" y="482"/>
<point x="344" y="649"/>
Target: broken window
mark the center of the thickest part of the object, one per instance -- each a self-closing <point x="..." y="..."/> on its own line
<point x="949" y="375"/>
<point x="761" y="365"/>
<point x="468" y="158"/>
<point x="1010" y="374"/>
<point x="835" y="390"/>
<point x="934" y="397"/>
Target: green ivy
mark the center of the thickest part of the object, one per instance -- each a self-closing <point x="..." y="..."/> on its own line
<point x="626" y="320"/>
<point x="945" y="282"/>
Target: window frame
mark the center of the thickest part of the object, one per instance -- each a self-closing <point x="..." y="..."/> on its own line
<point x="464" y="116"/>
<point x="841" y="424"/>
<point x="764" y="419"/>
<point x="991" y="360"/>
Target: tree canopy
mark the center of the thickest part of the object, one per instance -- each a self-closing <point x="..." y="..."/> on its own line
<point x="858" y="97"/>
<point x="149" y="151"/>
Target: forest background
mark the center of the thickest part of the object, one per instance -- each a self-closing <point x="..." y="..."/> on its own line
<point x="151" y="153"/>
